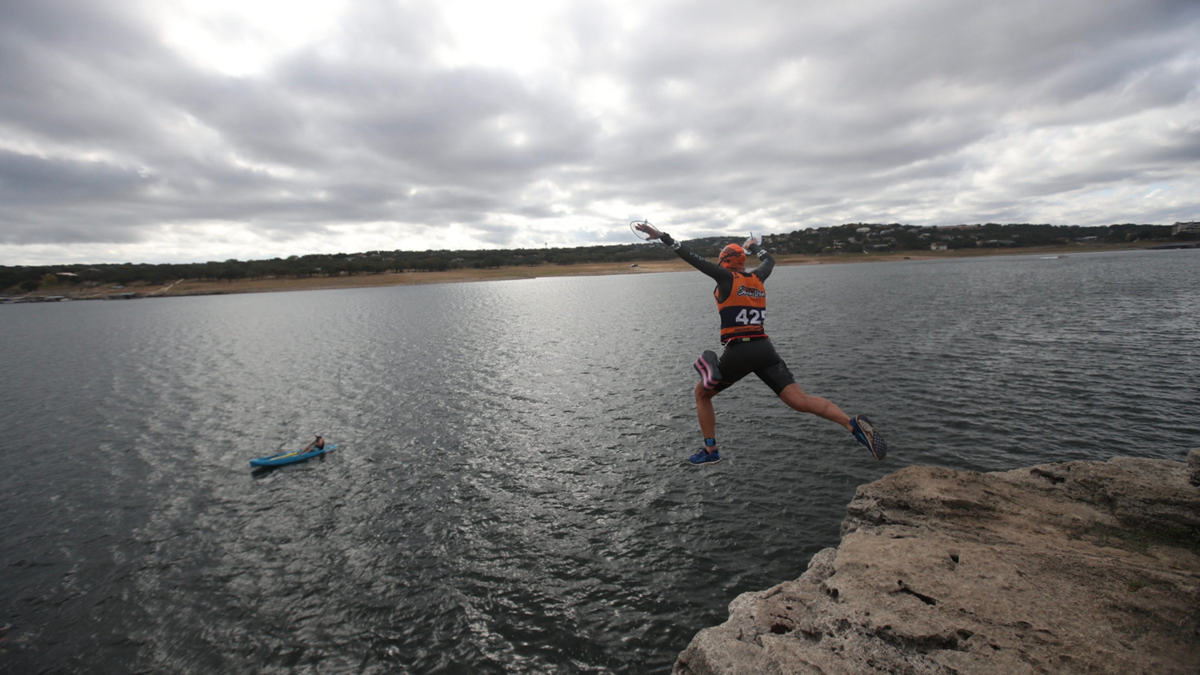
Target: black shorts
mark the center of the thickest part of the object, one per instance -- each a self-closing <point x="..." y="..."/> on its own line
<point x="741" y="358"/>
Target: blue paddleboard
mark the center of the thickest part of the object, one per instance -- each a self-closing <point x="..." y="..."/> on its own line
<point x="290" y="457"/>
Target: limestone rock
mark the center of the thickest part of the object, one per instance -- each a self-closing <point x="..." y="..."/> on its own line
<point x="1074" y="567"/>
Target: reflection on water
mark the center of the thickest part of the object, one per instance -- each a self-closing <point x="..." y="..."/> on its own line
<point x="510" y="493"/>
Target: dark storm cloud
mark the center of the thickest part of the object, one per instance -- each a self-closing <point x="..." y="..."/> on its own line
<point x="918" y="83"/>
<point x="705" y="113"/>
<point x="78" y="192"/>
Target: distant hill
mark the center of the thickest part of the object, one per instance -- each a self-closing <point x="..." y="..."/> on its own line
<point x="853" y="237"/>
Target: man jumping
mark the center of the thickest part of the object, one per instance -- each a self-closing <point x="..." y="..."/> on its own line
<point x="742" y="302"/>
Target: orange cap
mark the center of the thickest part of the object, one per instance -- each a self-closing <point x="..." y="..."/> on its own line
<point x="733" y="256"/>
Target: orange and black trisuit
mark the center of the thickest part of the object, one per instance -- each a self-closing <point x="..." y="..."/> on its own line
<point x="742" y="301"/>
<point x="744" y="308"/>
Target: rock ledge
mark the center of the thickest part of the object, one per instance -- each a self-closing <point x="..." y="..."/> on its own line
<point x="1074" y="567"/>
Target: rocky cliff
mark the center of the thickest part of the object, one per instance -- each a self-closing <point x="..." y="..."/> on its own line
<point x="1075" y="567"/>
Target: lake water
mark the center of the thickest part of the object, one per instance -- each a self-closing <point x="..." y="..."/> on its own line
<point x="510" y="492"/>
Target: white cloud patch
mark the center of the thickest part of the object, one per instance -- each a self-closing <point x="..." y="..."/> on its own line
<point x="188" y="130"/>
<point x="240" y="38"/>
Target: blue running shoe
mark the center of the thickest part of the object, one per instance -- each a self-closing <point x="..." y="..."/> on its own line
<point x="866" y="434"/>
<point x="706" y="365"/>
<point x="705" y="457"/>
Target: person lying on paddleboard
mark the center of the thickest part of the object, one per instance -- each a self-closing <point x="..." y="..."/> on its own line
<point x="742" y="303"/>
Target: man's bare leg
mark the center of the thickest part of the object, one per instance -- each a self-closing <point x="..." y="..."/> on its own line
<point x="796" y="399"/>
<point x="705" y="412"/>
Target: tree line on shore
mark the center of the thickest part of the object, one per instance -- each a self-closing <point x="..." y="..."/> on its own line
<point x="867" y="238"/>
<point x="849" y="238"/>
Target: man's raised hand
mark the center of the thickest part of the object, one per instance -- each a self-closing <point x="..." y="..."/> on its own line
<point x="645" y="227"/>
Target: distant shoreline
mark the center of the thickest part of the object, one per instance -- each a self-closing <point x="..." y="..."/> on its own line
<point x="190" y="287"/>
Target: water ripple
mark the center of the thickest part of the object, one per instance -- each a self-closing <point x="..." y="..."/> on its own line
<point x="510" y="494"/>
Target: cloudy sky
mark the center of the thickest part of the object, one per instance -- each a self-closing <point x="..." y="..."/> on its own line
<point x="192" y="130"/>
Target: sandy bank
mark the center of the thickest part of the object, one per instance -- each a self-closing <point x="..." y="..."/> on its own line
<point x="282" y="284"/>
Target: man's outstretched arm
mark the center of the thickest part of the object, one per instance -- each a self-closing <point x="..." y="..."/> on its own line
<point x="723" y="276"/>
<point x="720" y="274"/>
